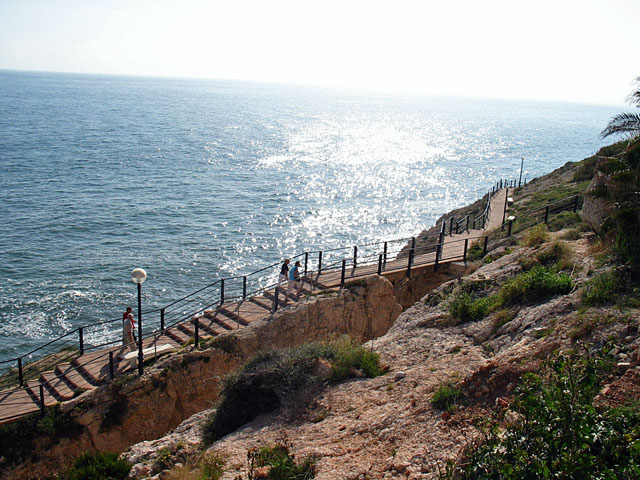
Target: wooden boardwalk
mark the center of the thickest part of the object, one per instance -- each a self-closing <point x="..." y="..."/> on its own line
<point x="92" y="369"/>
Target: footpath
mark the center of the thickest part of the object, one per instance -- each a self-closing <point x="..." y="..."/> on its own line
<point x="90" y="370"/>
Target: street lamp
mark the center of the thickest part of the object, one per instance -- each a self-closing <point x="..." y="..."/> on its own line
<point x="138" y="276"/>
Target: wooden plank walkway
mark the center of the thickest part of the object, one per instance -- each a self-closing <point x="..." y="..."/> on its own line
<point x="92" y="369"/>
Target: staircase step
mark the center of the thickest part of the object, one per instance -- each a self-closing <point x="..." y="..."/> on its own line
<point x="234" y="317"/>
<point x="57" y="386"/>
<point x="262" y="303"/>
<point x="73" y="377"/>
<point x="33" y="386"/>
<point x="220" y="319"/>
<point x="211" y="327"/>
<point x="177" y="335"/>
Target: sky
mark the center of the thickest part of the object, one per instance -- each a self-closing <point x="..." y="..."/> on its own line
<point x="566" y="50"/>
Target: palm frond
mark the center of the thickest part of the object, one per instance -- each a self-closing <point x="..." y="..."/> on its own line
<point x="634" y="96"/>
<point x="623" y="123"/>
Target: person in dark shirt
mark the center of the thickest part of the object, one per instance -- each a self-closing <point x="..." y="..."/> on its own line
<point x="284" y="273"/>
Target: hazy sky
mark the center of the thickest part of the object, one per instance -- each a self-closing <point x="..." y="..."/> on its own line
<point x="574" y="50"/>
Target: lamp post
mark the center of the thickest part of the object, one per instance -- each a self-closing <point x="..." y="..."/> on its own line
<point x="138" y="276"/>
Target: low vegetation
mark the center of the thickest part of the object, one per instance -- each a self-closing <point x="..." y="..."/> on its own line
<point x="97" y="466"/>
<point x="18" y="439"/>
<point x="272" y="379"/>
<point x="276" y="462"/>
<point x="446" y="396"/>
<point x="534" y="285"/>
<point x="556" y="429"/>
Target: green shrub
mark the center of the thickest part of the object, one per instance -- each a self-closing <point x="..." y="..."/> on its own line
<point x="17" y="438"/>
<point x="475" y="251"/>
<point x="212" y="465"/>
<point x="586" y="169"/>
<point x="98" y="466"/>
<point x="465" y="308"/>
<point x="554" y="253"/>
<point x="270" y="379"/>
<point x="446" y="396"/>
<point x="536" y="235"/>
<point x="603" y="287"/>
<point x="281" y="464"/>
<point x="559" y="433"/>
<point x="537" y="284"/>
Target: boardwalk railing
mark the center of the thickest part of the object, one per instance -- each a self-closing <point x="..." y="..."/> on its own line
<point x="349" y="262"/>
<point x="88" y="338"/>
<point x="73" y="344"/>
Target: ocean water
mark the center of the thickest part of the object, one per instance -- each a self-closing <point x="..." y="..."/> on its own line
<point x="194" y="180"/>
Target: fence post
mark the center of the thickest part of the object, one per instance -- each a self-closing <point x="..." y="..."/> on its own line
<point x="221" y="291"/>
<point x="306" y="261"/>
<point x="385" y="253"/>
<point x="380" y="264"/>
<point x="244" y="286"/>
<point x="486" y="245"/>
<point x="275" y="300"/>
<point x="344" y="267"/>
<point x="111" y="374"/>
<point x="20" y="377"/>
<point x="197" y="331"/>
<point x="355" y="256"/>
<point x="575" y="203"/>
<point x="504" y="212"/>
<point x="81" y="335"/>
<point x="42" y="399"/>
<point x="451" y="227"/>
<point x="162" y="320"/>
<point x="410" y="262"/>
<point x="466" y="247"/>
<point x="319" y="262"/>
<point x="546" y="214"/>
<point x="510" y="225"/>
<point x="468" y="223"/>
<point x="438" y="251"/>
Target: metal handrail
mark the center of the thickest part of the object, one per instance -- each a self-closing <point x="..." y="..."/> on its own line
<point x="195" y="299"/>
<point x="362" y="262"/>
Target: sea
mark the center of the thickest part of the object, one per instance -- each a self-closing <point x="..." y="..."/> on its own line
<point x="195" y="180"/>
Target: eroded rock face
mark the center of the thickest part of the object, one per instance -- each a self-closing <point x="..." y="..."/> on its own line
<point x="386" y="427"/>
<point x="595" y="209"/>
<point x="179" y="386"/>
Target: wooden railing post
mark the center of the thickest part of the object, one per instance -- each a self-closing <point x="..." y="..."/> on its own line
<point x="319" y="262"/>
<point x="385" y="253"/>
<point x="20" y="375"/>
<point x="111" y="369"/>
<point x="546" y="214"/>
<point x="510" y="225"/>
<point x="244" y="287"/>
<point x="81" y="338"/>
<point x="575" y="203"/>
<point x="197" y="332"/>
<point x="344" y="268"/>
<point x="42" y="407"/>
<point x="380" y="264"/>
<point x="162" y="320"/>
<point x="486" y="245"/>
<point x="466" y="247"/>
<point x="275" y="299"/>
<point x="221" y="291"/>
<point x="355" y="256"/>
<point x="306" y="262"/>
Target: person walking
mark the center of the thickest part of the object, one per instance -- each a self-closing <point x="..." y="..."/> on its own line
<point x="284" y="273"/>
<point x="128" y="338"/>
<point x="294" y="279"/>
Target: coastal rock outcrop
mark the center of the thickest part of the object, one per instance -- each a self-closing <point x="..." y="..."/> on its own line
<point x="133" y="409"/>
